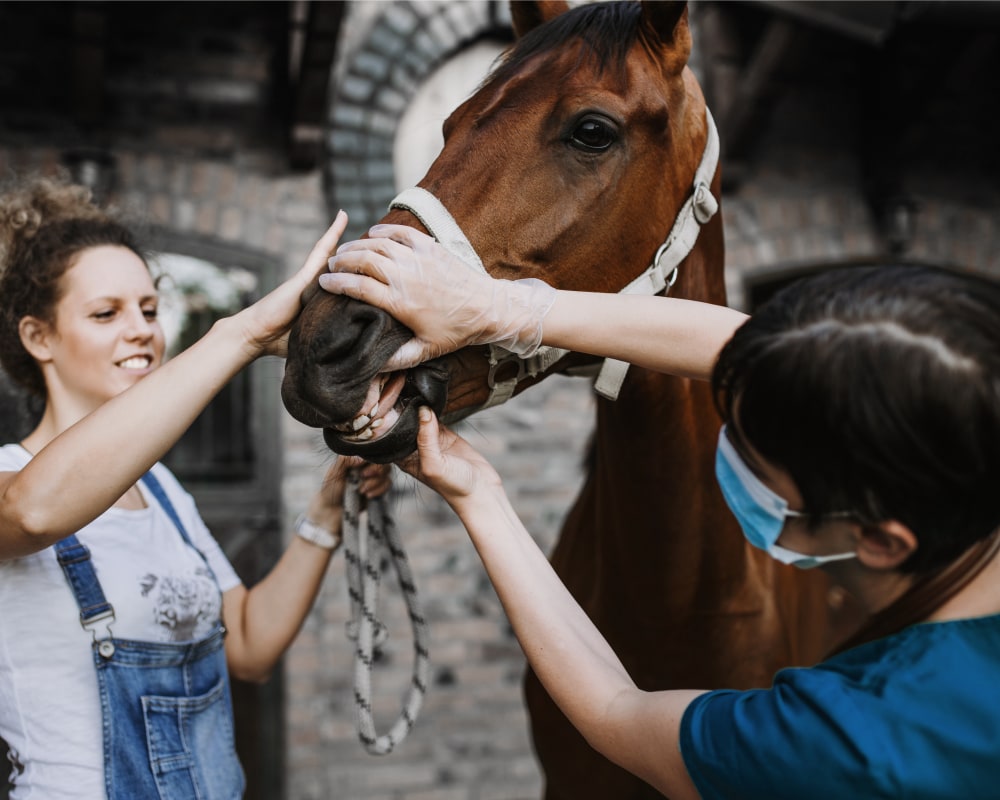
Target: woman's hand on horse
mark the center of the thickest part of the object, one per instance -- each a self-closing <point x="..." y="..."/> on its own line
<point x="447" y="303"/>
<point x="447" y="463"/>
<point x="265" y="324"/>
<point x="374" y="480"/>
<point x="327" y="505"/>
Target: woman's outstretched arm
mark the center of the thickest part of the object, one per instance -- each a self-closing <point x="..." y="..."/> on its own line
<point x="262" y="621"/>
<point x="637" y="730"/>
<point x="84" y="470"/>
<point x="448" y="305"/>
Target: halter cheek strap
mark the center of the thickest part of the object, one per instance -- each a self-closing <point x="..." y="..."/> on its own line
<point x="658" y="277"/>
<point x="443" y="227"/>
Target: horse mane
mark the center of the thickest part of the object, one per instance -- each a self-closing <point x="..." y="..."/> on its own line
<point x="607" y="29"/>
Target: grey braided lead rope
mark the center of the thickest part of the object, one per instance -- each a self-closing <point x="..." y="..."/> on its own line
<point x="363" y="552"/>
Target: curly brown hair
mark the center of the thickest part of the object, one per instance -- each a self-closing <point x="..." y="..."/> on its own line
<point x="44" y="225"/>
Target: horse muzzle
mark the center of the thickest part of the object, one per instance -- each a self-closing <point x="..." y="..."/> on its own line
<point x="332" y="379"/>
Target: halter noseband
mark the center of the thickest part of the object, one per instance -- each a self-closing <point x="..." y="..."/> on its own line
<point x="658" y="277"/>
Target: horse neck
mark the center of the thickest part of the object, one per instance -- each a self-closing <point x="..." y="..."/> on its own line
<point x="652" y="482"/>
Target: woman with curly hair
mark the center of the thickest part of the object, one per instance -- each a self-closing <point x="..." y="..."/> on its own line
<point x="121" y="616"/>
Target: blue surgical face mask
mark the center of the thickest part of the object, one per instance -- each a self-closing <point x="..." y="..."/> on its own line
<point x="761" y="512"/>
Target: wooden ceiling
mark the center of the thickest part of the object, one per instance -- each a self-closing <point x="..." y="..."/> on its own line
<point x="923" y="77"/>
<point x="921" y="80"/>
<point x="86" y="73"/>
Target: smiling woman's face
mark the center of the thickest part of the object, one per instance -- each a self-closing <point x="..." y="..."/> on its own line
<point x="106" y="336"/>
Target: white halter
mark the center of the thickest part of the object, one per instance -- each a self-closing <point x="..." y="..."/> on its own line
<point x="660" y="275"/>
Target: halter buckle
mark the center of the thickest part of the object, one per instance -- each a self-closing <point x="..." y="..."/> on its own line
<point x="497" y="363"/>
<point x="671" y="277"/>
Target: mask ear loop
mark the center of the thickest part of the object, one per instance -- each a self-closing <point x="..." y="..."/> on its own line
<point x="803" y="561"/>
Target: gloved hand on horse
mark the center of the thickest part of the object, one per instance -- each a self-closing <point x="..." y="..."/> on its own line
<point x="447" y="303"/>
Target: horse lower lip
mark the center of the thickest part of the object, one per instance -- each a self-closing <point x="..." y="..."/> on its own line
<point x="426" y="384"/>
<point x="395" y="443"/>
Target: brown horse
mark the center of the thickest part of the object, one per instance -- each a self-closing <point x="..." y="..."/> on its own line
<point x="570" y="164"/>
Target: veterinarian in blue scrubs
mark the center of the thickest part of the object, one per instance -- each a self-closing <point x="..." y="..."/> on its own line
<point x="121" y="617"/>
<point x="861" y="436"/>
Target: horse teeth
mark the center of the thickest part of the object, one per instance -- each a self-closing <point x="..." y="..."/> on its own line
<point x="376" y="423"/>
<point x="374" y="411"/>
<point x="367" y="433"/>
<point x="360" y="422"/>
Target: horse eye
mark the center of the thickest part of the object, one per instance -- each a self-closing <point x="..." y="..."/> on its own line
<point x="593" y="135"/>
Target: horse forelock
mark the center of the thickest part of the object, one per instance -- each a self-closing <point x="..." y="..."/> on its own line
<point x="606" y="31"/>
<point x="596" y="39"/>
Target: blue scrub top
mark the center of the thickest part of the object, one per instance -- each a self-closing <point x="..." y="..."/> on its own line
<point x="915" y="715"/>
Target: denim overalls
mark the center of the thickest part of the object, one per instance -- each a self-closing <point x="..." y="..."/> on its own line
<point x="166" y="708"/>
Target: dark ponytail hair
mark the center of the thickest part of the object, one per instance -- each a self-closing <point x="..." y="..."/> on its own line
<point x="878" y="390"/>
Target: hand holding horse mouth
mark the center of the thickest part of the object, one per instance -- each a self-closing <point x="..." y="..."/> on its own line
<point x="446" y="302"/>
<point x="362" y="409"/>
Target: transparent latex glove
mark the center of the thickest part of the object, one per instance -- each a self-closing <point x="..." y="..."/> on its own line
<point x="444" y="301"/>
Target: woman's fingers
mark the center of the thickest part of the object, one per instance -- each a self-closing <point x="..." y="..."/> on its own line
<point x="360" y="287"/>
<point x="442" y="472"/>
<point x="375" y="479"/>
<point x="266" y="322"/>
<point x="410" y="354"/>
<point x="425" y="460"/>
<point x="403" y="234"/>
<point x="428" y="441"/>
<point x="316" y="260"/>
<point x="376" y="258"/>
<point x="314" y="264"/>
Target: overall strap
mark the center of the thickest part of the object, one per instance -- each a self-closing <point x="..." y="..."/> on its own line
<point x="150" y="481"/>
<point x="74" y="558"/>
<point x="156" y="489"/>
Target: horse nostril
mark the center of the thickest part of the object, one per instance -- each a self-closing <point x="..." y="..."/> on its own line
<point x="363" y="327"/>
<point x="335" y="350"/>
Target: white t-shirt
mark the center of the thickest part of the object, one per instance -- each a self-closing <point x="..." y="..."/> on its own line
<point x="50" y="711"/>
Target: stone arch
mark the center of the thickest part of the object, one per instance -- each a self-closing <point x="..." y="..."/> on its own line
<point x="375" y="82"/>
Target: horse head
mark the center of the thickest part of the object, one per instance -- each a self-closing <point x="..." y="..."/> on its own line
<point x="568" y="164"/>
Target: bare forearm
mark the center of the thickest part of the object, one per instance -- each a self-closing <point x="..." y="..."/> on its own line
<point x="82" y="472"/>
<point x="637" y="730"/>
<point x="565" y="649"/>
<point x="665" y="334"/>
<point x="265" y="620"/>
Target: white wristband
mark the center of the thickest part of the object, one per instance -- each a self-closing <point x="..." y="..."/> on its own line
<point x="312" y="532"/>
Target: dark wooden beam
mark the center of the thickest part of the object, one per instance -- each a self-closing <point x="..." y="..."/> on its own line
<point x="756" y="87"/>
<point x="88" y="63"/>
<point x="317" y="46"/>
<point x="904" y="107"/>
<point x="871" y="21"/>
<point x="721" y="55"/>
